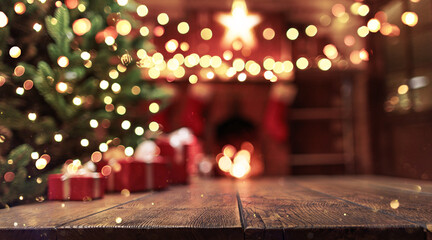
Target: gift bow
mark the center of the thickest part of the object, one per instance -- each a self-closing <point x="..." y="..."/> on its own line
<point x="86" y="170"/>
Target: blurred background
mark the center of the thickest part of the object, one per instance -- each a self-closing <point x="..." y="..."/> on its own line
<point x="367" y="111"/>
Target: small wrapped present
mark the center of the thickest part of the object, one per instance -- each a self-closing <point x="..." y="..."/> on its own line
<point x="175" y="148"/>
<point x="135" y="173"/>
<point x="79" y="184"/>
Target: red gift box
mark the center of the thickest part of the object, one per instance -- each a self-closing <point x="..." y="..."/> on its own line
<point x="76" y="187"/>
<point x="136" y="175"/>
<point x="176" y="159"/>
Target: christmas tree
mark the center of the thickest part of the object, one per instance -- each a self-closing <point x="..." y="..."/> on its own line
<point x="69" y="87"/>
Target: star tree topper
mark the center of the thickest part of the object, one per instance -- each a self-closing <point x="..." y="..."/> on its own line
<point x="239" y="24"/>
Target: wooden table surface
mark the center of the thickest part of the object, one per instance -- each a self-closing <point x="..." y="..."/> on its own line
<point x="338" y="207"/>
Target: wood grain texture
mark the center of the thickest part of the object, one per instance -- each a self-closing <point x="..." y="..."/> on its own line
<point x="415" y="207"/>
<point x="282" y="209"/>
<point x="201" y="210"/>
<point x="342" y="207"/>
<point x="39" y="220"/>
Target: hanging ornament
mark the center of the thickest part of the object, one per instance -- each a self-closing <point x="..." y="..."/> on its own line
<point x="126" y="59"/>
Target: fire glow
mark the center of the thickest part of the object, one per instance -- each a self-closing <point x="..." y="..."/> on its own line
<point x="236" y="163"/>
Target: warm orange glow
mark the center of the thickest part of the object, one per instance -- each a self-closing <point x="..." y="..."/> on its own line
<point x="239" y="24"/>
<point x="349" y="40"/>
<point x="364" y="55"/>
<point x="106" y="170"/>
<point x="158" y="31"/>
<point x="409" y="18"/>
<point x="330" y="51"/>
<point x="81" y="26"/>
<point x="268" y="33"/>
<point x="374" y="25"/>
<point x="386" y="29"/>
<point x="3" y="19"/>
<point x="123" y="27"/>
<point x="206" y="34"/>
<point x="338" y="10"/>
<point x="19" y="8"/>
<point x="61" y="87"/>
<point x="28" y="84"/>
<point x="171" y="46"/>
<point x="355" y="57"/>
<point x="229" y="150"/>
<point x="225" y="163"/>
<point x="72" y="4"/>
<point x="63" y="61"/>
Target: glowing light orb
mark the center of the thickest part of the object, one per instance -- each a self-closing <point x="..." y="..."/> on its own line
<point x="19" y="8"/>
<point x="142" y="10"/>
<point x="81" y="26"/>
<point x="154" y="107"/>
<point x="123" y="27"/>
<point x="311" y="30"/>
<point x="154" y="126"/>
<point x="409" y="18"/>
<point x="171" y="46"/>
<point x="163" y="18"/>
<point x="269" y="33"/>
<point x="63" y="61"/>
<point x="15" y="52"/>
<point x="225" y="163"/>
<point x="330" y="51"/>
<point x="374" y="25"/>
<point x="3" y="19"/>
<point x="302" y="63"/>
<point x="206" y="34"/>
<point x="324" y="64"/>
<point x="183" y="27"/>
<point x="62" y="87"/>
<point x="139" y="131"/>
<point x="292" y="34"/>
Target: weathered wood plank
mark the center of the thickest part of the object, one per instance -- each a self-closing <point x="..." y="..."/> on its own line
<point x="201" y="210"/>
<point x="413" y="206"/>
<point x="39" y="220"/>
<point x="283" y="209"/>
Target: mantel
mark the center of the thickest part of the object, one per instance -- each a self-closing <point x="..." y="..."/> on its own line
<point x="340" y="207"/>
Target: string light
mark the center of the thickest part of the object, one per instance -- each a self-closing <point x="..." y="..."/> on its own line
<point x="126" y="124"/>
<point x="81" y="26"/>
<point x="311" y="30"/>
<point x="63" y="61"/>
<point x="84" y="142"/>
<point x="292" y="34"/>
<point x="19" y="8"/>
<point x="163" y="18"/>
<point x="62" y="87"/>
<point x="409" y="18"/>
<point x="142" y="10"/>
<point x="3" y="19"/>
<point x="58" y="137"/>
<point x="324" y="64"/>
<point x="15" y="52"/>
<point x="123" y="27"/>
<point x="269" y="33"/>
<point x="154" y="126"/>
<point x="32" y="117"/>
<point x="183" y="27"/>
<point x="19" y="91"/>
<point x="374" y="25"/>
<point x="94" y="123"/>
<point x="206" y="34"/>
<point x="139" y="131"/>
<point x="302" y="63"/>
<point x="37" y="27"/>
